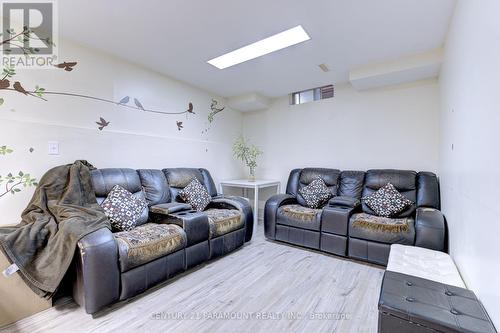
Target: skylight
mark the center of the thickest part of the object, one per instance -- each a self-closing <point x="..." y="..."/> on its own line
<point x="265" y="46"/>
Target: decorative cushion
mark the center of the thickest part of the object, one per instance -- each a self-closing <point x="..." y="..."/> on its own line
<point x="382" y="229"/>
<point x="196" y="195"/>
<point x="122" y="208"/>
<point x="316" y="193"/>
<point x="223" y="221"/>
<point x="387" y="201"/>
<point x="148" y="242"/>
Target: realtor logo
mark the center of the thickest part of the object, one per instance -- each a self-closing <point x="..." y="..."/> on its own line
<point x="28" y="35"/>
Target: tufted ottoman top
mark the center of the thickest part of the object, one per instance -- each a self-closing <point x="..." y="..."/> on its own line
<point x="417" y="302"/>
<point x="427" y="264"/>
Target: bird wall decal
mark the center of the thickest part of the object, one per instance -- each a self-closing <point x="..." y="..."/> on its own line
<point x="102" y="123"/>
<point x="138" y="104"/>
<point x="42" y="93"/>
<point x="4" y="83"/>
<point x="18" y="87"/>
<point x="67" y="66"/>
<point x="124" y="100"/>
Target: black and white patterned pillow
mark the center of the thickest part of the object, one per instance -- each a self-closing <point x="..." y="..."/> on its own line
<point x="387" y="201"/>
<point x="122" y="208"/>
<point x="316" y="193"/>
<point x="196" y="195"/>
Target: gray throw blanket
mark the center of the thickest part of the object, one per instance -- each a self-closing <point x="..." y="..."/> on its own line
<point x="63" y="210"/>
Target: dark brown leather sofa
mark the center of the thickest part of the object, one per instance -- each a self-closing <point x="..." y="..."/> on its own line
<point x="107" y="268"/>
<point x="333" y="230"/>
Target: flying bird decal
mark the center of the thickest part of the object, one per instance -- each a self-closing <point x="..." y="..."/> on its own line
<point x="67" y="66"/>
<point x="102" y="123"/>
<point x="179" y="125"/>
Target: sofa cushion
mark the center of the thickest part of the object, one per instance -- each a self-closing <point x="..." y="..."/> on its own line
<point x="387" y="201"/>
<point x="308" y="175"/>
<point x="382" y="229"/>
<point x="299" y="216"/>
<point x="122" y="208"/>
<point x="178" y="178"/>
<point x="196" y="195"/>
<point x="155" y="186"/>
<point x="103" y="181"/>
<point x="316" y="194"/>
<point x="405" y="181"/>
<point x="351" y="184"/>
<point x="148" y="242"/>
<point x="223" y="221"/>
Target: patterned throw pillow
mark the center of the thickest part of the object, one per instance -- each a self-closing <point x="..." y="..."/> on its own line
<point x="196" y="195"/>
<point x="316" y="193"/>
<point x="122" y="208"/>
<point x="387" y="201"/>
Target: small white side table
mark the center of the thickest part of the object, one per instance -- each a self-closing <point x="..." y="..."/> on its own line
<point x="255" y="185"/>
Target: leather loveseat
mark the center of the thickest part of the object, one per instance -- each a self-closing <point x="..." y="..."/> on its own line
<point x="334" y="228"/>
<point x="169" y="237"/>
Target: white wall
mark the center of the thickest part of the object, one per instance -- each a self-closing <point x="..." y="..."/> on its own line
<point x="133" y="139"/>
<point x="470" y="139"/>
<point x="386" y="128"/>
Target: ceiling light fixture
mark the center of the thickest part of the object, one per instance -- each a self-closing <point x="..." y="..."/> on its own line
<point x="274" y="43"/>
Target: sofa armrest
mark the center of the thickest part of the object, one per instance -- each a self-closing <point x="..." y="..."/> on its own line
<point x="239" y="203"/>
<point x="344" y="201"/>
<point x="169" y="208"/>
<point x="271" y="209"/>
<point x="429" y="229"/>
<point x="97" y="281"/>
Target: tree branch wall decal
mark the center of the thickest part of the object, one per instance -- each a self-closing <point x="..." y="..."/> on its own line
<point x="11" y="183"/>
<point x="41" y="93"/>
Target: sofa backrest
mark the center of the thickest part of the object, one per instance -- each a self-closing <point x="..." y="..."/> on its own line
<point x="155" y="186"/>
<point x="300" y="178"/>
<point x="421" y="188"/>
<point x="178" y="178"/>
<point x="104" y="180"/>
<point x="405" y="181"/>
<point x="351" y="184"/>
<point x="428" y="190"/>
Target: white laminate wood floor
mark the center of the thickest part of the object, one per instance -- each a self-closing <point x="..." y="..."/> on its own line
<point x="263" y="287"/>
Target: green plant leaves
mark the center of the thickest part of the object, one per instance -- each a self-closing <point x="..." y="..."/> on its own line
<point x="11" y="181"/>
<point x="39" y="91"/>
<point x="9" y="71"/>
<point x="4" y="150"/>
<point x="246" y="153"/>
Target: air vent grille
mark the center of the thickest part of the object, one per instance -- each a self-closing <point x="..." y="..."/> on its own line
<point x="311" y="95"/>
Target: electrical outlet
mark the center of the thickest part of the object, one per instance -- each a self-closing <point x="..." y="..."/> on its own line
<point x="53" y="148"/>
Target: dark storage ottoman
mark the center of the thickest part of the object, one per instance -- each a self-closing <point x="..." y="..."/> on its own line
<point x="410" y="304"/>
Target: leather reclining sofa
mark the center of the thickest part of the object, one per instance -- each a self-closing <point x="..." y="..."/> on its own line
<point x="169" y="238"/>
<point x="333" y="229"/>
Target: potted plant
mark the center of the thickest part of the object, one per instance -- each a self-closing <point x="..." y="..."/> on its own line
<point x="247" y="154"/>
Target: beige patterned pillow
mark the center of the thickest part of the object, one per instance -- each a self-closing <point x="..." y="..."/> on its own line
<point x="196" y="195"/>
<point x="316" y="194"/>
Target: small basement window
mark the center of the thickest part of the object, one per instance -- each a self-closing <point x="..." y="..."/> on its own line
<point x="310" y="95"/>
